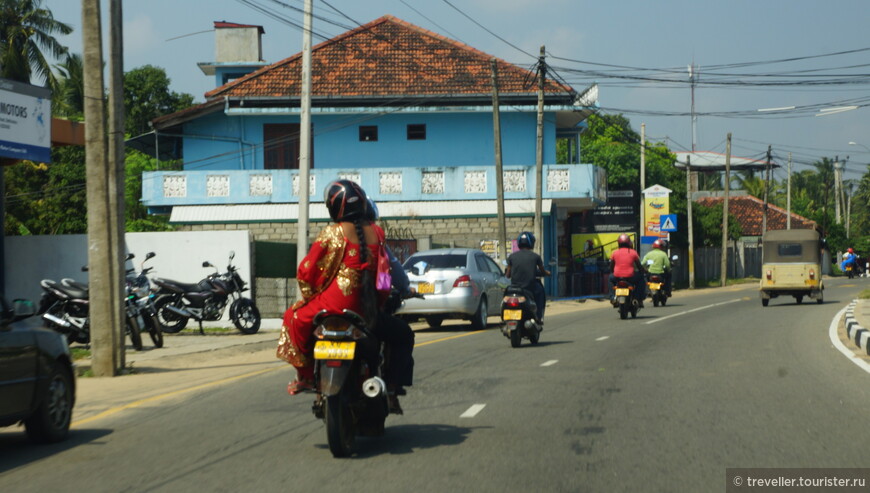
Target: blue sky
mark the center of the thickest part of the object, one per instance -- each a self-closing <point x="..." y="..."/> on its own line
<point x="591" y="42"/>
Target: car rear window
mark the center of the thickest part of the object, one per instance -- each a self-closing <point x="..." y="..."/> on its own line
<point x="438" y="261"/>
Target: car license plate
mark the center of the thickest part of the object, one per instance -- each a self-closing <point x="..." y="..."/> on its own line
<point x="334" y="350"/>
<point x="512" y="314"/>
<point x="425" y="288"/>
<point x="655" y="285"/>
<point x="622" y="291"/>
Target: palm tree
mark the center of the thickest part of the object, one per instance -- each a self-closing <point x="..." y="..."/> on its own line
<point x="26" y="32"/>
<point x="69" y="100"/>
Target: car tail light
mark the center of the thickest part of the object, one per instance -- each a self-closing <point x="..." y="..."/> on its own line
<point x="513" y="301"/>
<point x="769" y="275"/>
<point x="462" y="282"/>
<point x="812" y="273"/>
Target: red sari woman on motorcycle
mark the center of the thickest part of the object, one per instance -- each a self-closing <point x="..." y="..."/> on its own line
<point x="337" y="273"/>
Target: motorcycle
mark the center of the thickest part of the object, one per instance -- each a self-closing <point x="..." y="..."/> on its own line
<point x="850" y="271"/>
<point x="65" y="308"/>
<point x="349" y="362"/>
<point x="656" y="288"/>
<point x="206" y="300"/>
<point x="518" y="313"/>
<point x="624" y="299"/>
<point x="140" y="300"/>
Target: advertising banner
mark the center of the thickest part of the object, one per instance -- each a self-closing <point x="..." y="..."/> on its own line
<point x="656" y="203"/>
<point x="25" y="121"/>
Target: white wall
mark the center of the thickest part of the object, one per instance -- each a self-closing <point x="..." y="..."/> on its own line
<point x="179" y="256"/>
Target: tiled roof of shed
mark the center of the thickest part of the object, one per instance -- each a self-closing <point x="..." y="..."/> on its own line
<point x="388" y="57"/>
<point x="749" y="211"/>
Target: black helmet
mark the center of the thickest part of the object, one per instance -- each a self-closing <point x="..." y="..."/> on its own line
<point x="526" y="240"/>
<point x="373" y="214"/>
<point x="345" y="200"/>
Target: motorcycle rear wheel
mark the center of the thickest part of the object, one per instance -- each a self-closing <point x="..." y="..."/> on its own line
<point x="516" y="338"/>
<point x="339" y="425"/>
<point x="245" y="316"/>
<point x="170" y="322"/>
<point x="534" y="336"/>
<point x="623" y="311"/>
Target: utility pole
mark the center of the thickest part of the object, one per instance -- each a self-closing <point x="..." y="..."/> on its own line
<point x="499" y="173"/>
<point x="691" y="229"/>
<point x="117" y="169"/>
<point x="642" y="180"/>
<point x="725" y="210"/>
<point x="101" y="260"/>
<point x="304" y="139"/>
<point x="693" y="78"/>
<point x="766" y="188"/>
<point x="539" y="155"/>
<point x="837" y="195"/>
<point x="788" y="195"/>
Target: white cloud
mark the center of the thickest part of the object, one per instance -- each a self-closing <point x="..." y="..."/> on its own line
<point x="140" y="37"/>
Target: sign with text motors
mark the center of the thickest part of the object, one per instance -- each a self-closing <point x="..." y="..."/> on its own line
<point x="25" y="121"/>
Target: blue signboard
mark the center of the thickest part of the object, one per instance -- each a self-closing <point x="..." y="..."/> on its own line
<point x="669" y="223"/>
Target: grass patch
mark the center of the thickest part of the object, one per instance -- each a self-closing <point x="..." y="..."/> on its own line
<point x="194" y="330"/>
<point x="80" y="353"/>
<point x="864" y="295"/>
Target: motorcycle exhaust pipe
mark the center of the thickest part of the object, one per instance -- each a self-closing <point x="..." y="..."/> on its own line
<point x="178" y="311"/>
<point x="56" y="320"/>
<point x="374" y="387"/>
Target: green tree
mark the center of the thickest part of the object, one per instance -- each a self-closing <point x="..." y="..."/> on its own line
<point x="147" y="96"/>
<point x="26" y="32"/>
<point x="69" y="99"/>
<point x="137" y="216"/>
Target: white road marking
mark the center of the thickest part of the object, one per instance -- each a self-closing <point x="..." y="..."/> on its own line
<point x="472" y="411"/>
<point x="833" y="332"/>
<point x="693" y="310"/>
<point x="602" y="338"/>
<point x="550" y="363"/>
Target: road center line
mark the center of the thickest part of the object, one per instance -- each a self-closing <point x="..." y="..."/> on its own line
<point x="692" y="310"/>
<point x="603" y="338"/>
<point x="550" y="363"/>
<point x="472" y="411"/>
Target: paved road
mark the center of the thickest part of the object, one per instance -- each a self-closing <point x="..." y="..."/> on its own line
<point x="601" y="404"/>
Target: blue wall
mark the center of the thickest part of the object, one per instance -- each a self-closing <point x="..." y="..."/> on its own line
<point x="452" y="139"/>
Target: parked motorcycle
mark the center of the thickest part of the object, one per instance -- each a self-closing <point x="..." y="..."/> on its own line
<point x="206" y="300"/>
<point x="140" y="299"/>
<point x="518" y="311"/>
<point x="65" y="307"/>
<point x="624" y="299"/>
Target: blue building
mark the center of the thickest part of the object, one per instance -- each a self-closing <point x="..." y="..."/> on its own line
<point x="406" y="112"/>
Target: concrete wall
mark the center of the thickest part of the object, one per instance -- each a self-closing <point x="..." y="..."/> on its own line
<point x="29" y="259"/>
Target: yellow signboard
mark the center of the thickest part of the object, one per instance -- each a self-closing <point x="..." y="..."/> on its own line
<point x="656" y="203"/>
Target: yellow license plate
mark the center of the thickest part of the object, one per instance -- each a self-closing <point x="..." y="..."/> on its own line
<point x="512" y="315"/>
<point x="622" y="291"/>
<point x="811" y="282"/>
<point x="848" y="268"/>
<point x="425" y="287"/>
<point x="334" y="350"/>
<point x="655" y="285"/>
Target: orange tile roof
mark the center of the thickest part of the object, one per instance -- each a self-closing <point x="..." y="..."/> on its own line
<point x="388" y="57"/>
<point x="749" y="211"/>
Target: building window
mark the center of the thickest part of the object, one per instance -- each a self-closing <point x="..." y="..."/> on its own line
<point x="368" y="133"/>
<point x="281" y="146"/>
<point x="417" y="131"/>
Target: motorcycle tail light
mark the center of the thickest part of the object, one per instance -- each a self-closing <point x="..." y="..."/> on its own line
<point x="334" y="363"/>
<point x="769" y="275"/>
<point x="514" y="301"/>
<point x="462" y="282"/>
<point x="623" y="284"/>
<point x="655" y="279"/>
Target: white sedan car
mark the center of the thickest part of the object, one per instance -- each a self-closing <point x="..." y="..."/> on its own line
<point x="457" y="283"/>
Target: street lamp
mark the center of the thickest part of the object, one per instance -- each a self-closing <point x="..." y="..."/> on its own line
<point x="859" y="145"/>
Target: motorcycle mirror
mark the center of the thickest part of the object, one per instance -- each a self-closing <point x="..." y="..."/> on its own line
<point x="150" y="255"/>
<point x="675" y="258"/>
<point x="207" y="264"/>
<point x="130" y="256"/>
<point x="232" y="254"/>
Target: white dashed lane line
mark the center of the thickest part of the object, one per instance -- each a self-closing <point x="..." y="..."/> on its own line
<point x="550" y="363"/>
<point x="472" y="411"/>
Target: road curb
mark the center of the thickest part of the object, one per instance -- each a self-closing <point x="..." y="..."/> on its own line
<point x="856" y="333"/>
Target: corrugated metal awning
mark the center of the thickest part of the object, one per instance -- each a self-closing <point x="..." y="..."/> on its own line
<point x="317" y="211"/>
